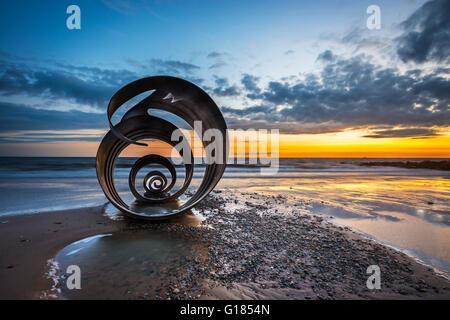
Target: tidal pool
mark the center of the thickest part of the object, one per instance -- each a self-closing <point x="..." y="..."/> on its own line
<point x="141" y="264"/>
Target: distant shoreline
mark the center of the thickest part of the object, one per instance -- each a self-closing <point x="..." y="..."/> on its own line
<point x="426" y="164"/>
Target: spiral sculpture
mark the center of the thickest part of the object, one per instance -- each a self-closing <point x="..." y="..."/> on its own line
<point x="178" y="97"/>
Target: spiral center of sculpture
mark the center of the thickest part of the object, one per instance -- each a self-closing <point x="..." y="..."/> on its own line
<point x="154" y="182"/>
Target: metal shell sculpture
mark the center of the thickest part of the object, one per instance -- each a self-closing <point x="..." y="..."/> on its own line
<point x="178" y="97"/>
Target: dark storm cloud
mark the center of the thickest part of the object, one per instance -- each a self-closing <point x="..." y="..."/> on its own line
<point x="220" y="81"/>
<point x="426" y="33"/>
<point x="354" y="92"/>
<point x="250" y="83"/>
<point x="346" y="93"/>
<point x="21" y="117"/>
<point x="248" y="111"/>
<point x="403" y="133"/>
<point x="223" y="89"/>
<point x="90" y="86"/>
<point x="226" y="91"/>
<point x="259" y="122"/>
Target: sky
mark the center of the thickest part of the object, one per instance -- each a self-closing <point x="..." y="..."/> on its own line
<point x="312" y="69"/>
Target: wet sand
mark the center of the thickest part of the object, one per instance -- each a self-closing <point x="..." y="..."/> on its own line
<point x="256" y="246"/>
<point x="28" y="241"/>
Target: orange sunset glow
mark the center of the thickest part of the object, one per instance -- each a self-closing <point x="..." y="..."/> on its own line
<point x="344" y="144"/>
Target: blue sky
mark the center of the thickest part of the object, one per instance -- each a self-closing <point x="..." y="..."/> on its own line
<point x="116" y="32"/>
<point x="246" y="54"/>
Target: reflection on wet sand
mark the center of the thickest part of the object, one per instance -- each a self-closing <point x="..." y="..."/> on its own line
<point x="410" y="212"/>
<point x="426" y="241"/>
<point x="188" y="218"/>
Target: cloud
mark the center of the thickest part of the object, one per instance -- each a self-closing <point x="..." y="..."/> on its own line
<point x="217" y="65"/>
<point x="362" y="38"/>
<point x="218" y="58"/>
<point x="248" y="111"/>
<point x="50" y="136"/>
<point x="214" y="55"/>
<point x="287" y="127"/>
<point x="223" y="89"/>
<point x="344" y="92"/>
<point x="21" y="117"/>
<point x="403" y="133"/>
<point x="226" y="91"/>
<point x="426" y="34"/>
<point x="174" y="66"/>
<point x="354" y="92"/>
<point x="91" y="86"/>
<point x="326" y="56"/>
<point x="250" y="83"/>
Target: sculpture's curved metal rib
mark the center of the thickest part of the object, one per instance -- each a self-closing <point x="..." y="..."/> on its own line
<point x="173" y="95"/>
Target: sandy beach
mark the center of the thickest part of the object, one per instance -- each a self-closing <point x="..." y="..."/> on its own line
<point x="28" y="241"/>
<point x="241" y="246"/>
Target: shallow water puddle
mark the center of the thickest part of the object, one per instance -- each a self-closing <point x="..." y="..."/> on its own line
<point x="129" y="265"/>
